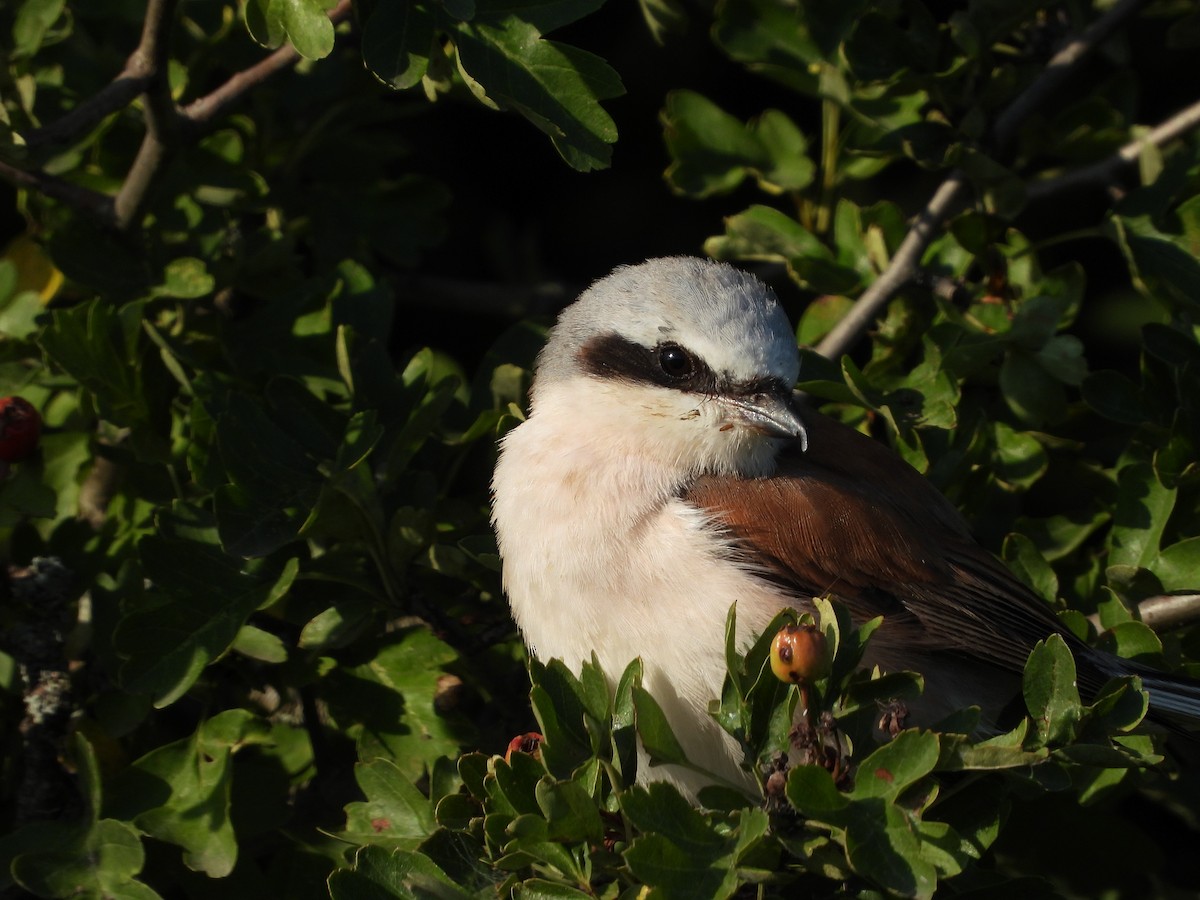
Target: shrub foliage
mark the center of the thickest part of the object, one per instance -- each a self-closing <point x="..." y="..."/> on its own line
<point x="253" y="638"/>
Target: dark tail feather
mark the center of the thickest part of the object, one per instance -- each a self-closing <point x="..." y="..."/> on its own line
<point x="1173" y="697"/>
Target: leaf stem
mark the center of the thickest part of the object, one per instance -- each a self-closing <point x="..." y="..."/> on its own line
<point x="830" y="126"/>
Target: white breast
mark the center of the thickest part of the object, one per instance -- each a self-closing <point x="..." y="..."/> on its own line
<point x="601" y="556"/>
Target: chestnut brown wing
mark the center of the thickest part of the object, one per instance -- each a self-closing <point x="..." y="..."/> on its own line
<point x="850" y="518"/>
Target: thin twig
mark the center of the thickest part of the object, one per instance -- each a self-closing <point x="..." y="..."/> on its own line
<point x="200" y="112"/>
<point x="1105" y="171"/>
<point x="899" y="270"/>
<point x="904" y="263"/>
<point x="161" y="116"/>
<point x="77" y="196"/>
<point x="1163" y="611"/>
<point x="1057" y="70"/>
<point x="166" y="123"/>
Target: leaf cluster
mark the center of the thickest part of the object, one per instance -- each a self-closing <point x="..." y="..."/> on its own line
<point x="898" y="813"/>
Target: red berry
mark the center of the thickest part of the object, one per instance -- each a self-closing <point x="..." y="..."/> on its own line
<point x="20" y="427"/>
<point x="530" y="742"/>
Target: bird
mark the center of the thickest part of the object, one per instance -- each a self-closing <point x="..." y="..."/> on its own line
<point x="667" y="470"/>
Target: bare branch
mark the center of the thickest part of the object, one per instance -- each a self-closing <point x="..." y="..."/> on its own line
<point x="1106" y="170"/>
<point x="1169" y="610"/>
<point x="95" y="204"/>
<point x="200" y="112"/>
<point x="1163" y="612"/>
<point x="1057" y="69"/>
<point x="143" y="66"/>
<point x="903" y="264"/>
<point x="166" y="124"/>
<point x="114" y="96"/>
<point x="161" y="115"/>
<point x="900" y="269"/>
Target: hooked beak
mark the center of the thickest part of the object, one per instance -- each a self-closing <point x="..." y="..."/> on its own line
<point x="770" y="413"/>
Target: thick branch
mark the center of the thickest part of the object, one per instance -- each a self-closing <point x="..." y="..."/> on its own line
<point x="81" y="198"/>
<point x="1106" y="170"/>
<point x="1169" y="610"/>
<point x="904" y="263"/>
<point x="114" y="96"/>
<point x="147" y="60"/>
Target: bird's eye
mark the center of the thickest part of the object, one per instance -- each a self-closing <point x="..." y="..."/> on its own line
<point x="675" y="361"/>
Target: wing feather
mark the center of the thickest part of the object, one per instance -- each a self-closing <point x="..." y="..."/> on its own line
<point x="850" y="518"/>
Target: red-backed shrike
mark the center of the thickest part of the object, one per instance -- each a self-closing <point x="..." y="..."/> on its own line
<point x="666" y="471"/>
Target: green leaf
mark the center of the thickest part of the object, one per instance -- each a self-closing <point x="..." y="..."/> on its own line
<point x="383" y="874"/>
<point x="1143" y="506"/>
<point x="765" y="233"/>
<point x="202" y="600"/>
<point x="1028" y="564"/>
<point x="33" y="20"/>
<point x="1161" y="264"/>
<point x="1050" y="691"/>
<point x="393" y="696"/>
<point x="275" y="481"/>
<point x="186" y="278"/>
<point x="395" y="814"/>
<point x="261" y="645"/>
<point x="678" y="852"/>
<point x="908" y="757"/>
<point x="396" y="42"/>
<point x="664" y="17"/>
<point x="676" y="873"/>
<point x="771" y="39"/>
<point x="102" y="864"/>
<point x="1033" y="395"/>
<point x="304" y="22"/>
<point x="571" y="813"/>
<point x="94" y="344"/>
<point x="882" y="844"/>
<point x="1178" y="566"/>
<point x="556" y="87"/>
<point x="1133" y="640"/>
<point x="559" y="708"/>
<point x="712" y="152"/>
<point x="655" y="731"/>
<point x="180" y="792"/>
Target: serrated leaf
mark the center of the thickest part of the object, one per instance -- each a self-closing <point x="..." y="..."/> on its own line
<point x="180" y="792"/>
<point x="383" y="874"/>
<point x="395" y="813"/>
<point x="204" y="600"/>
<point x="712" y="152"/>
<point x="102" y="864"/>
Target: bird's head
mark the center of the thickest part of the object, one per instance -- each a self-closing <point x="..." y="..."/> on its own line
<point x="688" y="360"/>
